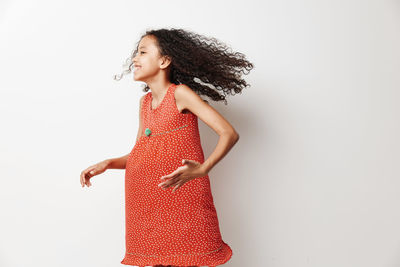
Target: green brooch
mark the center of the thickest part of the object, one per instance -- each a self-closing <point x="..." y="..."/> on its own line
<point x="147" y="131"/>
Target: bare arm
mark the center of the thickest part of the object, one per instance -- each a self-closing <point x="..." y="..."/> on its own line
<point x="186" y="98"/>
<point x="120" y="163"/>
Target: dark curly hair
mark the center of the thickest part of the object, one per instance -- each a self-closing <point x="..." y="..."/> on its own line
<point x="198" y="62"/>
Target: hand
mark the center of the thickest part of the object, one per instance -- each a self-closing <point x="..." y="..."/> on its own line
<point x="191" y="169"/>
<point x="92" y="171"/>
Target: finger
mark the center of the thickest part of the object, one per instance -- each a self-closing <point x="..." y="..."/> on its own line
<point x="189" y="162"/>
<point x="186" y="161"/>
<point x="86" y="177"/>
<point x="176" y="187"/>
<point x="88" y="169"/>
<point x="172" y="175"/>
<point x="175" y="182"/>
<point x="90" y="173"/>
<point x="86" y="174"/>
<point x="169" y="182"/>
<point x="81" y="179"/>
<point x="165" y="184"/>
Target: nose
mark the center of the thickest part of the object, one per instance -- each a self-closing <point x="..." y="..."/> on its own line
<point x="134" y="59"/>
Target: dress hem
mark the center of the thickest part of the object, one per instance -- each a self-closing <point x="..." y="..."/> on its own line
<point x="211" y="259"/>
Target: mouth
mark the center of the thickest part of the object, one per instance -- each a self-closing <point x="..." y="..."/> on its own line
<point x="137" y="67"/>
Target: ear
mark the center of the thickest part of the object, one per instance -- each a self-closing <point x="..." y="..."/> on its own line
<point x="165" y="62"/>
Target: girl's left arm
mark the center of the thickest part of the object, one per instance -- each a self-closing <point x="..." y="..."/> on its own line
<point x="186" y="98"/>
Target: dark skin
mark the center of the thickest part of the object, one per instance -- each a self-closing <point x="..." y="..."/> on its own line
<point x="153" y="69"/>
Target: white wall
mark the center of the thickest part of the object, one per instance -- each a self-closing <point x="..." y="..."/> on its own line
<point x="313" y="181"/>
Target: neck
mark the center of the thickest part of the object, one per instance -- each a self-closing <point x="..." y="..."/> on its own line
<point x="158" y="89"/>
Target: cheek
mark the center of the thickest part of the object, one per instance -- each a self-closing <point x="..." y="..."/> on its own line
<point x="149" y="67"/>
<point x="145" y="71"/>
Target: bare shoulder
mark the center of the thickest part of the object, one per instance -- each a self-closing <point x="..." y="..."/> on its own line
<point x="187" y="99"/>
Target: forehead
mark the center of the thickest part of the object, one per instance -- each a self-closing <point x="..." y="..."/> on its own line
<point x="147" y="42"/>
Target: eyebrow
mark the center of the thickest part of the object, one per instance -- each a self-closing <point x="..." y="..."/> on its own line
<point x="142" y="47"/>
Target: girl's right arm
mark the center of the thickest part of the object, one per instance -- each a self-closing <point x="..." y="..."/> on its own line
<point x="120" y="163"/>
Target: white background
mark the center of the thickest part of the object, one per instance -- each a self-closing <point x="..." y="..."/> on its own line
<point x="313" y="180"/>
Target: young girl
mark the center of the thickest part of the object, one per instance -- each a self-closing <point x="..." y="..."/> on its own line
<point x="177" y="227"/>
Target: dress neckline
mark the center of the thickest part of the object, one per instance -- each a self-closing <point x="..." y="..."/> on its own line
<point x="162" y="101"/>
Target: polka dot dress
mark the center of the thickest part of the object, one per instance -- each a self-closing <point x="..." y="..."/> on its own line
<point x="162" y="227"/>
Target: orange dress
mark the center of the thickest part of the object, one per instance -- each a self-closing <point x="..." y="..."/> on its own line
<point x="162" y="227"/>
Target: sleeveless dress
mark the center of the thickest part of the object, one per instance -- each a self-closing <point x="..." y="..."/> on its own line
<point x="162" y="227"/>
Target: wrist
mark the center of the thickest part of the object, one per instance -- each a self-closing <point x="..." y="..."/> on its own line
<point x="107" y="162"/>
<point x="205" y="168"/>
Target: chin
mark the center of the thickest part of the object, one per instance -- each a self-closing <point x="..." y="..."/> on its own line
<point x="139" y="78"/>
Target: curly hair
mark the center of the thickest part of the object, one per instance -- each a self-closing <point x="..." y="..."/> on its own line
<point x="198" y="62"/>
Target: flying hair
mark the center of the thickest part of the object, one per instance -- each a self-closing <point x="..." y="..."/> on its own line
<point x="208" y="66"/>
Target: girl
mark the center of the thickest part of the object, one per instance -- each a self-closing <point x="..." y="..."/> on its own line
<point x="177" y="227"/>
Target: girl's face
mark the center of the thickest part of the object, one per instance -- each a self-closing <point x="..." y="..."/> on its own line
<point x="148" y="61"/>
